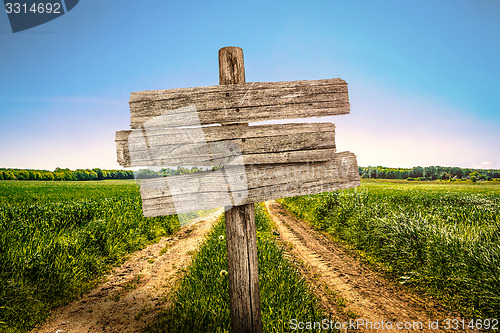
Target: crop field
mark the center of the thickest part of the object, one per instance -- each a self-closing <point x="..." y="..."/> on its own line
<point x="201" y="301"/>
<point x="58" y="238"/>
<point x="442" y="238"/>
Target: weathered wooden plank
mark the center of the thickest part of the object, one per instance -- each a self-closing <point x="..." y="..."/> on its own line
<point x="238" y="185"/>
<point x="228" y="145"/>
<point x="241" y="178"/>
<point x="239" y="103"/>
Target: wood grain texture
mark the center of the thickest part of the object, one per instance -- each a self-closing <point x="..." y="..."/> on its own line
<point x="228" y="145"/>
<point x="231" y="66"/>
<point x="239" y="103"/>
<point x="242" y="185"/>
<point x="242" y="262"/>
<point x="243" y="269"/>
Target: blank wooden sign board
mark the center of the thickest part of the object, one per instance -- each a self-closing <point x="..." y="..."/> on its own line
<point x="209" y="126"/>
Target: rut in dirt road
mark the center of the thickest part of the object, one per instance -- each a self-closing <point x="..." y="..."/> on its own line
<point x="134" y="292"/>
<point x="367" y="295"/>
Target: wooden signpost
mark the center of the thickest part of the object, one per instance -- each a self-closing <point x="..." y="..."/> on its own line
<point x="250" y="163"/>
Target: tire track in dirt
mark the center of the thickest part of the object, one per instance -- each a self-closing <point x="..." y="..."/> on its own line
<point x="366" y="294"/>
<point x="133" y="293"/>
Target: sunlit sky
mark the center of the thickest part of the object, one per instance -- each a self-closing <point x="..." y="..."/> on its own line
<point x="423" y="75"/>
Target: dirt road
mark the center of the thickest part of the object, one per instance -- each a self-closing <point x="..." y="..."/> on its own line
<point x="348" y="288"/>
<point x="132" y="294"/>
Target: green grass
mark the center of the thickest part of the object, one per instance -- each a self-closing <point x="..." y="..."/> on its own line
<point x="188" y="218"/>
<point x="443" y="238"/>
<point x="58" y="238"/>
<point x="201" y="301"/>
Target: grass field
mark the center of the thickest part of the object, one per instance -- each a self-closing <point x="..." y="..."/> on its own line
<point x="58" y="238"/>
<point x="201" y="301"/>
<point x="441" y="237"/>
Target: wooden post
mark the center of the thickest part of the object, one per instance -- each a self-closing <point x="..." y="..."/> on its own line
<point x="241" y="238"/>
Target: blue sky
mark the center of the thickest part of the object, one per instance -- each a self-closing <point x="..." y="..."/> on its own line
<point x="423" y="75"/>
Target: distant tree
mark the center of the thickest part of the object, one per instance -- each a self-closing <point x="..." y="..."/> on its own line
<point x="81" y="174"/>
<point x="92" y="174"/>
<point x="146" y="173"/>
<point x="9" y="175"/>
<point x="417" y="172"/>
<point x="474" y="176"/>
<point x="69" y="175"/>
<point x="31" y="174"/>
<point x="429" y="172"/>
<point x="1" y="175"/>
<point x="58" y="175"/>
<point x="34" y="175"/>
<point x="99" y="173"/>
<point x="22" y="174"/>
<point x="48" y="176"/>
<point x="458" y="172"/>
<point x="181" y="171"/>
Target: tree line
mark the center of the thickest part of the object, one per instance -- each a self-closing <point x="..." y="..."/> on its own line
<point x="420" y="173"/>
<point x="64" y="174"/>
<point x="88" y="174"/>
<point x="428" y="173"/>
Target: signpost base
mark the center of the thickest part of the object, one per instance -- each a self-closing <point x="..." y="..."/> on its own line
<point x="243" y="269"/>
